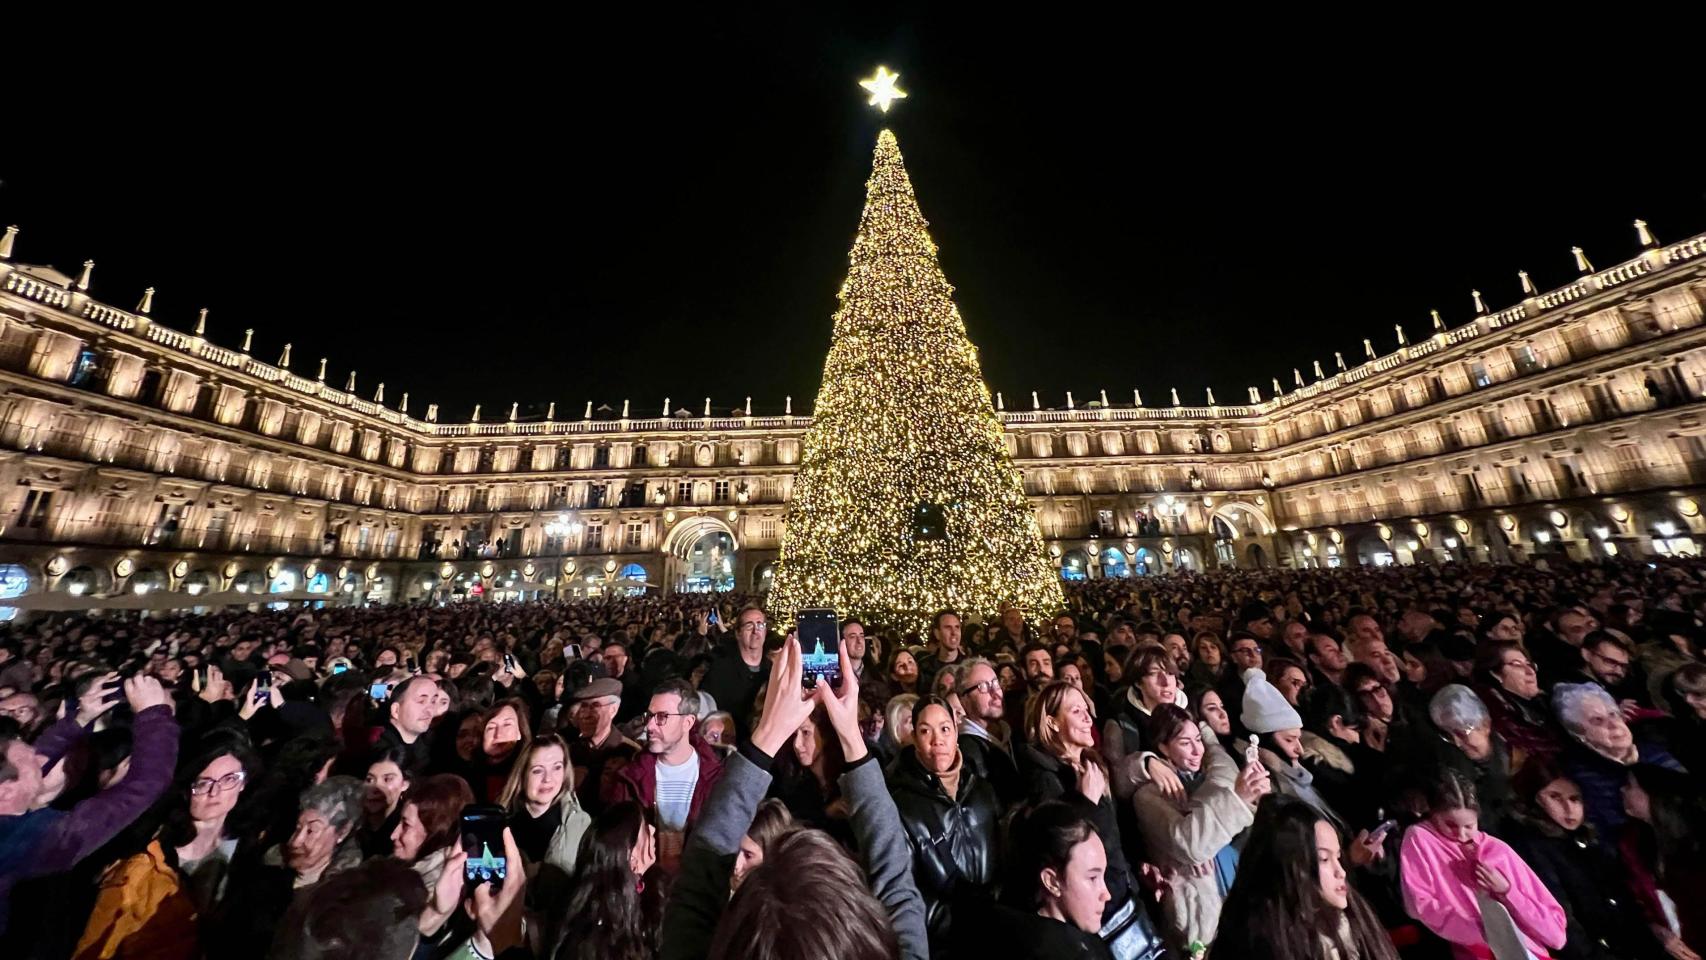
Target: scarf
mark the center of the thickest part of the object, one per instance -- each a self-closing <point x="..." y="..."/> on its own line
<point x="951" y="777"/>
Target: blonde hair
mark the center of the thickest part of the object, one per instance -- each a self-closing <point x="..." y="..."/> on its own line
<point x="515" y="788"/>
<point x="1040" y="726"/>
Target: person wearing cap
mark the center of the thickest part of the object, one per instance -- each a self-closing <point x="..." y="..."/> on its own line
<point x="599" y="750"/>
<point x="291" y="669"/>
<point x="1270" y="717"/>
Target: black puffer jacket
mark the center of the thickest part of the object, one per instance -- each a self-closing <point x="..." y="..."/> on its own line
<point x="1049" y="779"/>
<point x="953" y="841"/>
<point x="1604" y="920"/>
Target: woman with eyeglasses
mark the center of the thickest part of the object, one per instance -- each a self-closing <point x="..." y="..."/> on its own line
<point x="1466" y="742"/>
<point x="149" y="903"/>
<point x="1510" y="686"/>
<point x="1374" y="698"/>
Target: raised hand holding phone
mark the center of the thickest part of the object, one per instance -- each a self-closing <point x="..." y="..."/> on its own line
<point x="820" y="647"/>
<point x="101" y="696"/>
<point x="498" y="911"/>
<point x="145" y="692"/>
<point x="785" y="705"/>
<point x="842" y="707"/>
<point x="482" y="830"/>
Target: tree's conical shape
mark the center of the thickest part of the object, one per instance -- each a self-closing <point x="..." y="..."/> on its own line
<point x="906" y="501"/>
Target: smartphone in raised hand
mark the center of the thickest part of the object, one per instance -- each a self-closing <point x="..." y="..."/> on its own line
<point x="820" y="648"/>
<point x="483" y="841"/>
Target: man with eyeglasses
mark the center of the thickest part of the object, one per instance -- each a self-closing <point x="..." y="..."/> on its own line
<point x="25" y="708"/>
<point x="676" y="772"/>
<point x="1609" y="661"/>
<point x="599" y="749"/>
<point x="986" y="745"/>
<point x="736" y="675"/>
<point x="38" y="842"/>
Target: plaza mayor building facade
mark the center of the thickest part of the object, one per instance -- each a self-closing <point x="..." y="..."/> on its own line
<point x="140" y="460"/>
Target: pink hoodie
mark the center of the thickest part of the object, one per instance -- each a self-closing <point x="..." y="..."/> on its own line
<point x="1439" y="890"/>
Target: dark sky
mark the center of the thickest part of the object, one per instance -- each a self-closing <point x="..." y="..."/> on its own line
<point x="568" y="210"/>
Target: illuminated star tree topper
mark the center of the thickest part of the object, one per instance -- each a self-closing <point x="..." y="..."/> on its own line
<point x="882" y="88"/>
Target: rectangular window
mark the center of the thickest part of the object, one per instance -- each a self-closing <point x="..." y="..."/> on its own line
<point x="110" y="514"/>
<point x="1478" y="375"/>
<point x="683" y="491"/>
<point x="33" y="514"/>
<point x="84" y="373"/>
<point x="595" y="537"/>
<point x="722" y="491"/>
<point x="767" y="528"/>
<point x="635" y="532"/>
<point x="215" y="535"/>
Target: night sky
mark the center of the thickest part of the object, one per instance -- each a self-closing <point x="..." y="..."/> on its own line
<point x="536" y="211"/>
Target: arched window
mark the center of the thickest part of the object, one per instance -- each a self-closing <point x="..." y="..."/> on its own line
<point x="1114" y="564"/>
<point x="14" y="582"/>
<point x="1143" y="562"/>
<point x="1075" y="566"/>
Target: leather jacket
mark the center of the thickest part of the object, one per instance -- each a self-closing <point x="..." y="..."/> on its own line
<point x="953" y="841"/>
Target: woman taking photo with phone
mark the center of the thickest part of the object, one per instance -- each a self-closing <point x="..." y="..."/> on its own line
<point x="430" y="827"/>
<point x="500" y="747"/>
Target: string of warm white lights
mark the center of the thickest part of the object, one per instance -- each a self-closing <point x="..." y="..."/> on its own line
<point x="906" y="501"/>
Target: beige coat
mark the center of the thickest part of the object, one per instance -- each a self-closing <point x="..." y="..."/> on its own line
<point x="1182" y="840"/>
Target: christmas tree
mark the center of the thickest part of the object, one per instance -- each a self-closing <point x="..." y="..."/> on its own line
<point x="906" y="501"/>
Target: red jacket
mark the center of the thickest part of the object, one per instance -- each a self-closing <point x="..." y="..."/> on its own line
<point x="638" y="780"/>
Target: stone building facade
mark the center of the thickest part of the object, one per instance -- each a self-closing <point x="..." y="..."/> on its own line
<point x="138" y="459"/>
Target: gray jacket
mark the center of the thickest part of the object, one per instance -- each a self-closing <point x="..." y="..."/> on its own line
<point x="702" y="890"/>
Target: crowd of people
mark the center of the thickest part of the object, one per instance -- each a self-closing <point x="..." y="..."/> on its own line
<point x="1357" y="764"/>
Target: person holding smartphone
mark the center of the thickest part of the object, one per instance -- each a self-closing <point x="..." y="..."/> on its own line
<point x="804" y="874"/>
<point x="37" y="842"/>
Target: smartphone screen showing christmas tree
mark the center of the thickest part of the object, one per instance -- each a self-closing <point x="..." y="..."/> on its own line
<point x="820" y="648"/>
